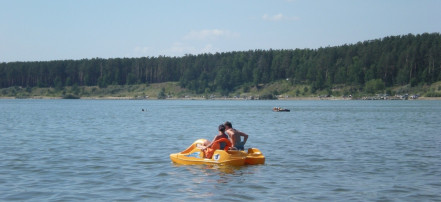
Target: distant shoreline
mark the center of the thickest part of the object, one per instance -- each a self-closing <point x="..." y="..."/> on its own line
<point x="198" y="98"/>
<point x="281" y="90"/>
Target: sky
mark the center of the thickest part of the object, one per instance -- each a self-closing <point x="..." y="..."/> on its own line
<point x="44" y="30"/>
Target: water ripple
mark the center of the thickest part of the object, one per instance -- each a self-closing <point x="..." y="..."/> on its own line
<point x="63" y="150"/>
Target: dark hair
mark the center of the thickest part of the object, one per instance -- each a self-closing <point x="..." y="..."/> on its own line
<point x="227" y="123"/>
<point x="221" y="127"/>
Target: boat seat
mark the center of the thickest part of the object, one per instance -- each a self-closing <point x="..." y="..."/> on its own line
<point x="222" y="145"/>
<point x="201" y="154"/>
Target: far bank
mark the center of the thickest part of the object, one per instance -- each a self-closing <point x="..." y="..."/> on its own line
<point x="280" y="90"/>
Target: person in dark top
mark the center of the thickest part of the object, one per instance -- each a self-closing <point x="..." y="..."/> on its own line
<point x="220" y="135"/>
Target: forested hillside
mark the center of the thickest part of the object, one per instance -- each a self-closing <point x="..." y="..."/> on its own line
<point x="395" y="60"/>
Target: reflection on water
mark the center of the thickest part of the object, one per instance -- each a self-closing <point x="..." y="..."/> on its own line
<point x="223" y="171"/>
<point x="216" y="181"/>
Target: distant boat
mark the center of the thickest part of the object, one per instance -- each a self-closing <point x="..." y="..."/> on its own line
<point x="278" y="109"/>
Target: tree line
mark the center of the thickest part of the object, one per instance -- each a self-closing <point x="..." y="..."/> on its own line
<point x="394" y="60"/>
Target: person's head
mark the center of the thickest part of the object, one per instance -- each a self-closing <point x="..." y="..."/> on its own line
<point x="228" y="125"/>
<point x="221" y="128"/>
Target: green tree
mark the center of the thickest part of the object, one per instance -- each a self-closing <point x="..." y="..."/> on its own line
<point x="161" y="94"/>
<point x="75" y="89"/>
<point x="374" y="86"/>
<point x="396" y="60"/>
<point x="58" y="84"/>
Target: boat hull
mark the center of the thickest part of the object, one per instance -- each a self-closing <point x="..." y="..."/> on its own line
<point x="254" y="157"/>
<point x="282" y="110"/>
<point x="220" y="157"/>
<point x="195" y="156"/>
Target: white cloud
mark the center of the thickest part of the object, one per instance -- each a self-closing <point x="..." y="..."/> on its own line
<point x="210" y="34"/>
<point x="207" y="49"/>
<point x="278" y="17"/>
<point x="180" y="49"/>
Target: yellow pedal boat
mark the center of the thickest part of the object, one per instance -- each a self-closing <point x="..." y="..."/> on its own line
<point x="194" y="156"/>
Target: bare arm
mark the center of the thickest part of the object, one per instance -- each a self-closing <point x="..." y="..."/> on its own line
<point x="245" y="136"/>
<point x="214" y="139"/>
<point x="211" y="142"/>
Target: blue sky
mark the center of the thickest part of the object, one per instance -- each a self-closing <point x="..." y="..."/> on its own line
<point x="41" y="30"/>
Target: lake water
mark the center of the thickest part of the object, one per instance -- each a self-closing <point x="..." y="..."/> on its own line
<point x="321" y="150"/>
